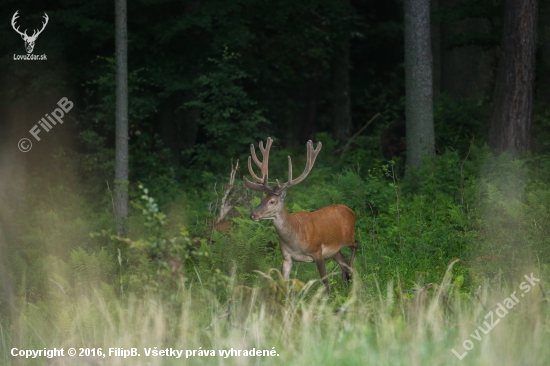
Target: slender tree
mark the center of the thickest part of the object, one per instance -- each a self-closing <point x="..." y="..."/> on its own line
<point x="513" y="97"/>
<point x="418" y="82"/>
<point x="121" y="158"/>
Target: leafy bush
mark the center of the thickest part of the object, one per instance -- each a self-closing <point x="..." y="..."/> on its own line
<point x="156" y="263"/>
<point x="230" y="119"/>
<point x="459" y="122"/>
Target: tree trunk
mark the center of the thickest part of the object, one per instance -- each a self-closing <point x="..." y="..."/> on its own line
<point x="341" y="98"/>
<point x="418" y="82"/>
<point x="435" y="32"/>
<point x="513" y="98"/>
<point x="121" y="158"/>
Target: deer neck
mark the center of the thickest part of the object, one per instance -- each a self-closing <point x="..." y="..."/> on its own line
<point x="284" y="224"/>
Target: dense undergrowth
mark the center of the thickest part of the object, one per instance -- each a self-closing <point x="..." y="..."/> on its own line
<point x="436" y="253"/>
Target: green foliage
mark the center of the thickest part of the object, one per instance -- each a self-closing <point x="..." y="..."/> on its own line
<point x="92" y="268"/>
<point x="541" y="128"/>
<point x="156" y="262"/>
<point x="489" y="212"/>
<point x="276" y="295"/>
<point x="385" y="97"/>
<point x="458" y="123"/>
<point x="513" y="211"/>
<point x="408" y="230"/>
<point x="100" y="116"/>
<point x="247" y="247"/>
<point x="230" y="118"/>
<point x="149" y="158"/>
<point x="150" y="164"/>
<point x="391" y="327"/>
<point x="487" y="10"/>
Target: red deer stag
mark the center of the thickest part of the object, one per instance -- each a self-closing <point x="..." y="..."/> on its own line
<point x="303" y="236"/>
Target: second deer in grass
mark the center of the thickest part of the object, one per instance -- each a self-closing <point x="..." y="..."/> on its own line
<point x="303" y="236"/>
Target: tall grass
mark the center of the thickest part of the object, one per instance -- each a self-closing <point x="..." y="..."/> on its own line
<point x="420" y="328"/>
<point x="171" y="289"/>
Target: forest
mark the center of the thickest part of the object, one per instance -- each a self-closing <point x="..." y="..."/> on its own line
<point x="139" y="226"/>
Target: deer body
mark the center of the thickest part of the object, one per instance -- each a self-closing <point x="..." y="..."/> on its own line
<point x="305" y="236"/>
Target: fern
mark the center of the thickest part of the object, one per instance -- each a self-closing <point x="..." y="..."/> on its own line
<point x="244" y="249"/>
<point x="91" y="268"/>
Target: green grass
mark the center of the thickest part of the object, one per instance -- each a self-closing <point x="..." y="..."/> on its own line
<point x="301" y="326"/>
<point x="405" y="306"/>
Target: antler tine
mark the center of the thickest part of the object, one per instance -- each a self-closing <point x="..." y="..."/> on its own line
<point x="263" y="165"/>
<point x="252" y="171"/>
<point x="253" y="154"/>
<point x="265" y="158"/>
<point x="13" y="20"/>
<point x="289" y="170"/>
<point x="254" y="186"/>
<point x="46" y="18"/>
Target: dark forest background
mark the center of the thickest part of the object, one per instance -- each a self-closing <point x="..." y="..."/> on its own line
<point x="208" y="78"/>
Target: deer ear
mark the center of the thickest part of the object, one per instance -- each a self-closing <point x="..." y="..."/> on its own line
<point x="282" y="195"/>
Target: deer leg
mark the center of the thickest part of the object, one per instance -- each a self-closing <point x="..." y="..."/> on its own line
<point x="287" y="266"/>
<point x="344" y="265"/>
<point x="353" y="250"/>
<point x="351" y="258"/>
<point x="322" y="271"/>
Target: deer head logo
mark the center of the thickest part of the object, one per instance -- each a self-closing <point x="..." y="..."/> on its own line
<point x="29" y="40"/>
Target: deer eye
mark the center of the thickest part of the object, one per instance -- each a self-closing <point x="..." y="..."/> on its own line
<point x="272" y="201"/>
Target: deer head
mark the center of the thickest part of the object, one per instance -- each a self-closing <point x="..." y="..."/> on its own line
<point x="29" y="40"/>
<point x="273" y="202"/>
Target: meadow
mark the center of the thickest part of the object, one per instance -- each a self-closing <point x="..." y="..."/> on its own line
<point x="451" y="269"/>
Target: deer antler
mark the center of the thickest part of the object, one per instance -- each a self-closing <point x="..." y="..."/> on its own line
<point x="263" y="165"/>
<point x="311" y="156"/>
